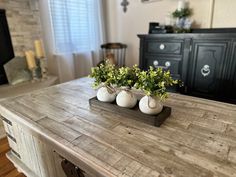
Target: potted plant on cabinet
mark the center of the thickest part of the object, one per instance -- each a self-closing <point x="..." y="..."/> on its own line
<point x="153" y="83"/>
<point x="183" y="22"/>
<point x="104" y="76"/>
<point x="125" y="80"/>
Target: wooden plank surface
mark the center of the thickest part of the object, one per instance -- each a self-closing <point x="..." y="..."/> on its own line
<point x="198" y="139"/>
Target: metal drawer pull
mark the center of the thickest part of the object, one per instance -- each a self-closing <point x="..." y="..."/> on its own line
<point x="16" y="153"/>
<point x="7" y="121"/>
<point x="11" y="137"/>
<point x="205" y="71"/>
<point x="162" y="46"/>
<point x="167" y="64"/>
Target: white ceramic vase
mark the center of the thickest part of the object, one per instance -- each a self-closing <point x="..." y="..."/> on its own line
<point x="150" y="105"/>
<point x="104" y="95"/>
<point x="126" y="99"/>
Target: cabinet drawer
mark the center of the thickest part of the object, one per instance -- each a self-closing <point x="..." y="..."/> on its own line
<point x="171" y="64"/>
<point x="6" y="120"/>
<point x="11" y="130"/>
<point x="13" y="144"/>
<point x="8" y="126"/>
<point x="164" y="47"/>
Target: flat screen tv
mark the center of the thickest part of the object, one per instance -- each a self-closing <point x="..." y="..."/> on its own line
<point x="6" y="48"/>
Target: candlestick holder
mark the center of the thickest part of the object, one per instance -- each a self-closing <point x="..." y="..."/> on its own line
<point x="44" y="68"/>
<point x="34" y="75"/>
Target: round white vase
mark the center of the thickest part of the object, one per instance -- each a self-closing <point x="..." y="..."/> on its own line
<point x="150" y="105"/>
<point x="105" y="96"/>
<point x="126" y="99"/>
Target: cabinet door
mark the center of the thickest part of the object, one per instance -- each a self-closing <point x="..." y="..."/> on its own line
<point x="232" y="71"/>
<point x="207" y="66"/>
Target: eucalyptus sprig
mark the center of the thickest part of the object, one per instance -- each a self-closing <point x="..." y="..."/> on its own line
<point x="154" y="82"/>
<point x="103" y="74"/>
<point x="126" y="76"/>
<point x="186" y="12"/>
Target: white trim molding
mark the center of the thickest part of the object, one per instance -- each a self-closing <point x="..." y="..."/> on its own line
<point x="211" y="13"/>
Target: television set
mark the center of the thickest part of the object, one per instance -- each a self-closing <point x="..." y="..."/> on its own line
<point x="6" y="48"/>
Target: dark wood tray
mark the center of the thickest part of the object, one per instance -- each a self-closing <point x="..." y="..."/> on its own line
<point x="133" y="113"/>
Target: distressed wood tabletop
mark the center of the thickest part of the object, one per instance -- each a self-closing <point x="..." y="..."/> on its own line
<point x="197" y="140"/>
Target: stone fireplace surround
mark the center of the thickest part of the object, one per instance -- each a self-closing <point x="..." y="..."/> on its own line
<point x="24" y="25"/>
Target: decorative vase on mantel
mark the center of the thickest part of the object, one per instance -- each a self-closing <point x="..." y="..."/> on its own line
<point x="106" y="94"/>
<point x="150" y="105"/>
<point x="183" y="23"/>
<point x="126" y="98"/>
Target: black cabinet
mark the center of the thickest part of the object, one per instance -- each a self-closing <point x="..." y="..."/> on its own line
<point x="205" y="62"/>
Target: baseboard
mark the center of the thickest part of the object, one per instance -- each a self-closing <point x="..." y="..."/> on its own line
<point x="21" y="167"/>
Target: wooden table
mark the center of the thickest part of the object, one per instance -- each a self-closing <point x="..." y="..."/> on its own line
<point x="198" y="140"/>
<point x="7" y="90"/>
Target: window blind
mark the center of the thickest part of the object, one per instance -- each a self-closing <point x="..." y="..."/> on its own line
<point x="74" y="25"/>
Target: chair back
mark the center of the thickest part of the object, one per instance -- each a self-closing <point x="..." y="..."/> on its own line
<point x="115" y="50"/>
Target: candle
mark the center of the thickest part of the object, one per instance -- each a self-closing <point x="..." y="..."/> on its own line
<point x="30" y="59"/>
<point x="39" y="49"/>
<point x="181" y="5"/>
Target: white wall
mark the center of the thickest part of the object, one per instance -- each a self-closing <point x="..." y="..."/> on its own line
<point x="225" y="13"/>
<point x="124" y="27"/>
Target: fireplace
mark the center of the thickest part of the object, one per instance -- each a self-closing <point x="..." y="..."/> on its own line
<point x="6" y="48"/>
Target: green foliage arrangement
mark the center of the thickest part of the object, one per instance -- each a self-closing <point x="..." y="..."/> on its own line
<point x="103" y="74"/>
<point x="127" y="77"/>
<point x="186" y="12"/>
<point x="154" y="82"/>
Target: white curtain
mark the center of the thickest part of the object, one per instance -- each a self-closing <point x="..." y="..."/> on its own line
<point x="78" y="30"/>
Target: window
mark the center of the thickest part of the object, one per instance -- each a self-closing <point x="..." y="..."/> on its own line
<point x="75" y="25"/>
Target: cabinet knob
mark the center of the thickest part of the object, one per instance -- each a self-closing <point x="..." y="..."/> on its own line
<point x="162" y="46"/>
<point x="168" y="64"/>
<point x="155" y="63"/>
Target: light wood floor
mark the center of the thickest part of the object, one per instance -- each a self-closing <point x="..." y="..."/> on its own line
<point x="7" y="169"/>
